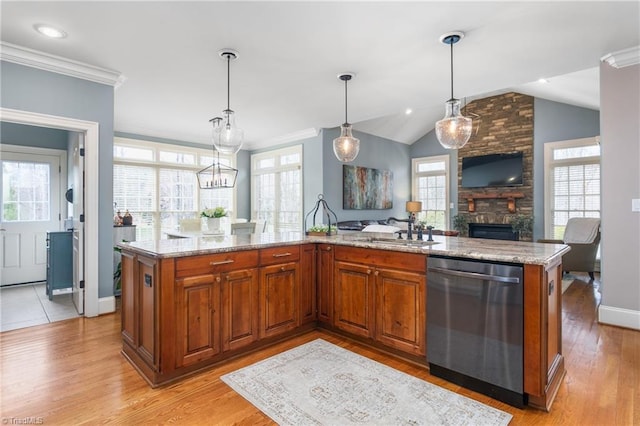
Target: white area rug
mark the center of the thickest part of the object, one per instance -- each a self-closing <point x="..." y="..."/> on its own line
<point x="322" y="384"/>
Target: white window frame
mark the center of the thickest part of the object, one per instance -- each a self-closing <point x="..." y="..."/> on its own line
<point x="156" y="148"/>
<point x="549" y="163"/>
<point x="278" y="168"/>
<point x="415" y="162"/>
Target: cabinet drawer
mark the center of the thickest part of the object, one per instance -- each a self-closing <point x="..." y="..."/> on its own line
<point x="382" y="258"/>
<point x="219" y="262"/>
<point x="275" y="255"/>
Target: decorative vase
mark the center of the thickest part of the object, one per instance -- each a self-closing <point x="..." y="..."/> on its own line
<point x="213" y="224"/>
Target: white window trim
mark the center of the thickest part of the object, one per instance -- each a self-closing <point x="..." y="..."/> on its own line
<point x="295" y="149"/>
<point x="414" y="175"/>
<point x="549" y="162"/>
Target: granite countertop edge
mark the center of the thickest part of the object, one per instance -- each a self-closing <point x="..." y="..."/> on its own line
<point x="471" y="248"/>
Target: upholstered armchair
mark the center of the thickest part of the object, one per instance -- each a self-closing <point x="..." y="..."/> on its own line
<point x="582" y="234"/>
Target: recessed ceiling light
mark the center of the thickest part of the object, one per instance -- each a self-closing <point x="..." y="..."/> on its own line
<point x="408" y="111"/>
<point x="49" y="31"/>
<point x="543" y="80"/>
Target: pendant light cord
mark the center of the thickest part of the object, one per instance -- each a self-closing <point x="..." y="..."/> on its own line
<point x="229" y="80"/>
<point x="345" y="101"/>
<point x="451" y="44"/>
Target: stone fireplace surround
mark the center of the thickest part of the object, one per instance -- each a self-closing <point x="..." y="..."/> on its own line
<point x="502" y="124"/>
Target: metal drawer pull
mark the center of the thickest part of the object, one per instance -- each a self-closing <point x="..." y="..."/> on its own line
<point x="222" y="262"/>
<point x="281" y="254"/>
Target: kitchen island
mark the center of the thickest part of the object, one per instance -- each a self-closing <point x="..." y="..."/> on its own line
<point x="190" y="303"/>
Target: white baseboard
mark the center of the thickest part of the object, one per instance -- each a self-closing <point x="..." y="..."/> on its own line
<point x="618" y="316"/>
<point x="106" y="305"/>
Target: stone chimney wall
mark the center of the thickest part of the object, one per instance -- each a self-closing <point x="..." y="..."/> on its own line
<point x="504" y="124"/>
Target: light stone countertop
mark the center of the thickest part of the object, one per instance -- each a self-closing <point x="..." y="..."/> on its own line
<point x="471" y="248"/>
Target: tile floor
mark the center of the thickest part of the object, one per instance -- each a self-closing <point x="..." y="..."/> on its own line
<point x="28" y="305"/>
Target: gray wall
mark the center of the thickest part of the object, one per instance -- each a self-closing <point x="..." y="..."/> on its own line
<point x="377" y="153"/>
<point x="620" y="139"/>
<point x="29" y="89"/>
<point x="552" y="122"/>
<point x="40" y="137"/>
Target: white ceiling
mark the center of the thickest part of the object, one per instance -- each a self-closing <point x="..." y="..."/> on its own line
<point x="284" y="83"/>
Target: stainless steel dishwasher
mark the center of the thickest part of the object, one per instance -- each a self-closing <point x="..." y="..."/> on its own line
<point x="475" y="326"/>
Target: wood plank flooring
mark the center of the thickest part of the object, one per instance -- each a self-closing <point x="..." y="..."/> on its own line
<point x="72" y="372"/>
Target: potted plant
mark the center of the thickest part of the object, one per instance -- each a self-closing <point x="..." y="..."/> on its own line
<point x="460" y="224"/>
<point x="213" y="217"/>
<point x="322" y="230"/>
<point x="523" y="224"/>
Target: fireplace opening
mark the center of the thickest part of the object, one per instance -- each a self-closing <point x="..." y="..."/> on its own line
<point x="493" y="231"/>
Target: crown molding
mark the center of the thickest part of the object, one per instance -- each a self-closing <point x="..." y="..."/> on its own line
<point x="623" y="58"/>
<point x="295" y="136"/>
<point x="47" y="62"/>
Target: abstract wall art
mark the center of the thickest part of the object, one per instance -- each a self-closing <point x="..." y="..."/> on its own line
<point x="366" y="189"/>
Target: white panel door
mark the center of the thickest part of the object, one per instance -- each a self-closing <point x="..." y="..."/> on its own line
<point x="78" y="226"/>
<point x="30" y="194"/>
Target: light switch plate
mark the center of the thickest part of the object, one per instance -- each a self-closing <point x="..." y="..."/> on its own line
<point x="635" y="205"/>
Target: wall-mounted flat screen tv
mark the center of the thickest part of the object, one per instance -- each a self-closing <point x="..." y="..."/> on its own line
<point x="492" y="170"/>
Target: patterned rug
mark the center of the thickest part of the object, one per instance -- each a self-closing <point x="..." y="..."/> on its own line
<point x="319" y="383"/>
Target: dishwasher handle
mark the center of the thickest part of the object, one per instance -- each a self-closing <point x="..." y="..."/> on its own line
<point x="475" y="275"/>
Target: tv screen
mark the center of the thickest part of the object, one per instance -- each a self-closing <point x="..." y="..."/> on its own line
<point x="492" y="170"/>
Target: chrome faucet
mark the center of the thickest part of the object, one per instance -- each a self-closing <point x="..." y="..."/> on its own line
<point x="430" y="236"/>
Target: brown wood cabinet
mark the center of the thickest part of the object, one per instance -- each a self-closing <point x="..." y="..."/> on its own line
<point x="139" y="320"/>
<point x="240" y="308"/>
<point x="543" y="360"/>
<point x="400" y="310"/>
<point x="324" y="283"/>
<point x="380" y="294"/>
<point x="182" y="314"/>
<point x="353" y="298"/>
<point x="307" y="286"/>
<point x="198" y="318"/>
<point x="279" y="292"/>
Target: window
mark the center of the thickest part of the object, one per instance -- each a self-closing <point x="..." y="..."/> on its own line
<point x="277" y="188"/>
<point x="25" y="194"/>
<point x="157" y="183"/>
<point x="572" y="183"/>
<point x="430" y="177"/>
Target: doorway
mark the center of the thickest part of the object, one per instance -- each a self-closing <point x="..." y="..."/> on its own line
<point x="89" y="130"/>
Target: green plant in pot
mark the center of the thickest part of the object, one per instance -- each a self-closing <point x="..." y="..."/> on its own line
<point x="523" y="224"/>
<point x="322" y="230"/>
<point x="461" y="224"/>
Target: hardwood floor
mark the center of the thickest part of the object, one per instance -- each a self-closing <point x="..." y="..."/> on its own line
<point x="72" y="372"/>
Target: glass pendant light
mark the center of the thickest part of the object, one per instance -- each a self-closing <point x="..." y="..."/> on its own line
<point x="217" y="175"/>
<point x="227" y="137"/>
<point x="346" y="147"/>
<point x="454" y="130"/>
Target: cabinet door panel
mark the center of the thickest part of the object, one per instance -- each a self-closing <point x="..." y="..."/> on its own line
<point x="128" y="300"/>
<point x="307" y="284"/>
<point x="198" y="316"/>
<point x="400" y="310"/>
<point x="240" y="310"/>
<point x="354" y="298"/>
<point x="279" y="298"/>
<point x="324" y="281"/>
<point x="147" y="309"/>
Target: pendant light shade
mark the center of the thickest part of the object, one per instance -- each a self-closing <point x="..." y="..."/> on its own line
<point x="346" y="147"/>
<point x="227" y="137"/>
<point x="454" y="130"/>
<point x="217" y="175"/>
